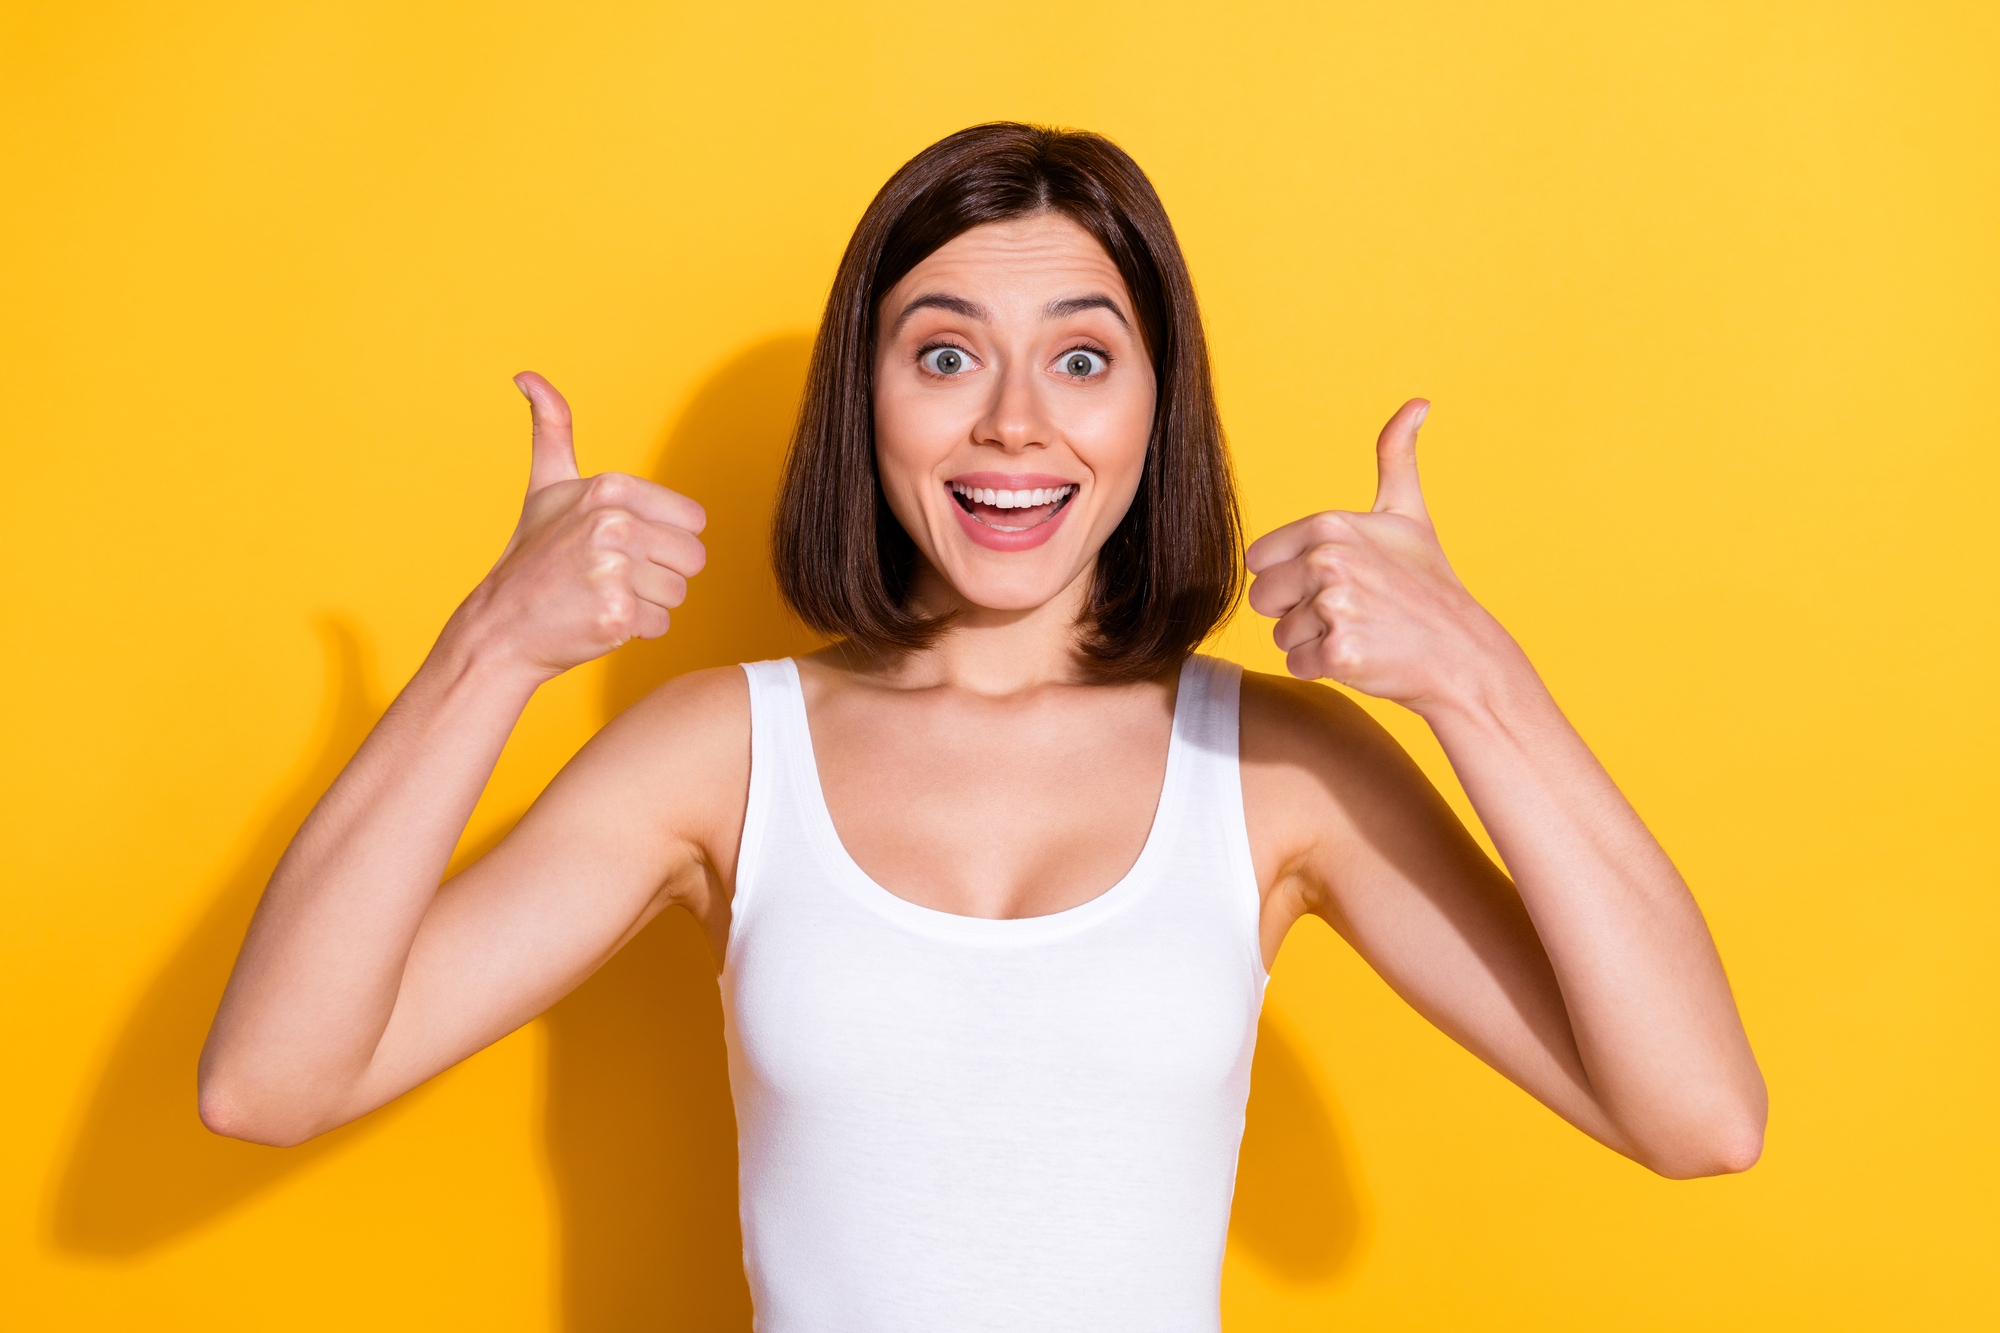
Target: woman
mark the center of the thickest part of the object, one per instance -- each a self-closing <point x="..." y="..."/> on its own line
<point x="995" y="881"/>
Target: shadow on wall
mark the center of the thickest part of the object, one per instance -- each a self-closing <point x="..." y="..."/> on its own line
<point x="144" y="1169"/>
<point x="641" y="1134"/>
<point x="1298" y="1208"/>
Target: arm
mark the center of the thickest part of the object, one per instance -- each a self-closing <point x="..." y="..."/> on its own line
<point x="358" y="978"/>
<point x="1591" y="979"/>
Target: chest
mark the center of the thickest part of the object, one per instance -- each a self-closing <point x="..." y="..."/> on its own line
<point x="992" y="808"/>
<point x="1157" y="1007"/>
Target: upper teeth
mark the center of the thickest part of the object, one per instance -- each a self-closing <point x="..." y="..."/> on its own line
<point x="1011" y="499"/>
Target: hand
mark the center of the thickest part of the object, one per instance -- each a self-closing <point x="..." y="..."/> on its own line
<point x="593" y="562"/>
<point x="1369" y="600"/>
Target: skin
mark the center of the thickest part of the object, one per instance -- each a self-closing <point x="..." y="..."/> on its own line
<point x="1588" y="977"/>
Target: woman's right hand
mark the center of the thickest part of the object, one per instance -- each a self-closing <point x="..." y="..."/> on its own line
<point x="594" y="561"/>
<point x="358" y="978"/>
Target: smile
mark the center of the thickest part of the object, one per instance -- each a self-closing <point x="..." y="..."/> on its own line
<point x="1011" y="510"/>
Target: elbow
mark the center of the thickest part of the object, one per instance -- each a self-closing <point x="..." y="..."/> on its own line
<point x="225" y="1111"/>
<point x="1742" y="1154"/>
<point x="1724" y="1147"/>
<point x="1713" y="1127"/>
<point x="1725" y="1157"/>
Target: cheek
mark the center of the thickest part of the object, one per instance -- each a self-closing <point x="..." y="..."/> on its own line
<point x="1111" y="436"/>
<point x="907" y="454"/>
<point x="913" y="430"/>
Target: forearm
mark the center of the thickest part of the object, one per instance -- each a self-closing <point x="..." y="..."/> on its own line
<point x="320" y="969"/>
<point x="1650" y="1008"/>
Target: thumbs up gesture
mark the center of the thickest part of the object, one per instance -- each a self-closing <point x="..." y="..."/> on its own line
<point x="593" y="562"/>
<point x="1369" y="600"/>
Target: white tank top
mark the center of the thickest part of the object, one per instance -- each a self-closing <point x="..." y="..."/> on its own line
<point x="949" y="1123"/>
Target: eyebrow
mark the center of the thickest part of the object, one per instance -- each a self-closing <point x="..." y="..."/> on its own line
<point x="1078" y="304"/>
<point x="957" y="305"/>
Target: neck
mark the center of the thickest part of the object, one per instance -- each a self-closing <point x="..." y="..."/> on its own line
<point x="995" y="653"/>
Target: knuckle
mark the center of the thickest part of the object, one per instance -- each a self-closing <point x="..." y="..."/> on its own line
<point x="609" y="487"/>
<point x="608" y="567"/>
<point x="1326" y="561"/>
<point x="610" y="524"/>
<point x="1333" y="602"/>
<point x="616" y="613"/>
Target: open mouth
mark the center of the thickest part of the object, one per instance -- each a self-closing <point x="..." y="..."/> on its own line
<point x="1011" y="510"/>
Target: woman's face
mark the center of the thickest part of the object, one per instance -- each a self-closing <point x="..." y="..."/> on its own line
<point x="1013" y="401"/>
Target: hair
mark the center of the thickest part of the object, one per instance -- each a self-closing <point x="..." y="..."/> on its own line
<point x="1171" y="570"/>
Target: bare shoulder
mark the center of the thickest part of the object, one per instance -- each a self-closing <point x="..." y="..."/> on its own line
<point x="1302" y="723"/>
<point x="1302" y="734"/>
<point x="678" y="760"/>
<point x="1321" y="778"/>
<point x="702" y="706"/>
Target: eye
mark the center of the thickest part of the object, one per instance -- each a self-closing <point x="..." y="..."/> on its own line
<point x="1082" y="363"/>
<point x="945" y="360"/>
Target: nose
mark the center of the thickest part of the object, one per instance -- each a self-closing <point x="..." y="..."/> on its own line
<point x="1016" y="417"/>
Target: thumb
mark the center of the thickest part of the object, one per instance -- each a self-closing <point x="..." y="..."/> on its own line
<point x="554" y="452"/>
<point x="1396" y="488"/>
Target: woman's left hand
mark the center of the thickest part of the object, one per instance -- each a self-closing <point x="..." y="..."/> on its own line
<point x="1590" y="980"/>
<point x="1370" y="601"/>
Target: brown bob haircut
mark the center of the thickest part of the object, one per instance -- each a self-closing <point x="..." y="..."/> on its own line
<point x="1171" y="570"/>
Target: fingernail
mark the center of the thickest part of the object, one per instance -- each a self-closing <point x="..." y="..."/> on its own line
<point x="1422" y="412"/>
<point x="524" y="391"/>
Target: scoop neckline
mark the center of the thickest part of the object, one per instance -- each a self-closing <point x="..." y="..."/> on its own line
<point x="862" y="886"/>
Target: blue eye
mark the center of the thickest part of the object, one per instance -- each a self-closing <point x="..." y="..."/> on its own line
<point x="944" y="361"/>
<point x="1083" y="363"/>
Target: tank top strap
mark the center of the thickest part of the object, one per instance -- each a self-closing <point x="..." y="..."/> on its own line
<point x="778" y="741"/>
<point x="1207" y="716"/>
<point x="1210" y="691"/>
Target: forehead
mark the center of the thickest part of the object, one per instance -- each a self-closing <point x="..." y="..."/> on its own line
<point x="1030" y="257"/>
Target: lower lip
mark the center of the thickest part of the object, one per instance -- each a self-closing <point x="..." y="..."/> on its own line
<point x="995" y="540"/>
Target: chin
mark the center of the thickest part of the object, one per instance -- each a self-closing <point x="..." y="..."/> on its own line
<point x="1013" y="592"/>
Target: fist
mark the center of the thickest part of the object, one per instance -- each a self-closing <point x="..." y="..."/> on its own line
<point x="593" y="562"/>
<point x="1369" y="600"/>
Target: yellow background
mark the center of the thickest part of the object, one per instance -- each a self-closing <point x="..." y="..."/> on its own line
<point x="1705" y="296"/>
